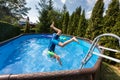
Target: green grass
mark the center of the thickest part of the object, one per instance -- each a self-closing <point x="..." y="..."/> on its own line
<point x="109" y="72"/>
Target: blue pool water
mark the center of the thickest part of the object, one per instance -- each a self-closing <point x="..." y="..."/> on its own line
<point x="28" y="54"/>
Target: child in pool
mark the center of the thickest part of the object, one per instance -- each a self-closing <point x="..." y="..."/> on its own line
<point x="55" y="41"/>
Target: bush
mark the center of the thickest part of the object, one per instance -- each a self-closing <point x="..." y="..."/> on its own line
<point x="8" y="31"/>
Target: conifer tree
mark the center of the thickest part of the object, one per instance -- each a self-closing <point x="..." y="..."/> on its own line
<point x="111" y="25"/>
<point x="43" y="12"/>
<point x="50" y="5"/>
<point x="64" y="9"/>
<point x="82" y="25"/>
<point x="69" y="29"/>
<point x="116" y="30"/>
<point x="111" y="16"/>
<point x="65" y="22"/>
<point x="47" y="15"/>
<point x="111" y="20"/>
<point x="76" y="20"/>
<point x="42" y="24"/>
<point x="94" y="25"/>
<point x="63" y="14"/>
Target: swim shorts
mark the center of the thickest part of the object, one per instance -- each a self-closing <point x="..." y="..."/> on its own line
<point x="51" y="53"/>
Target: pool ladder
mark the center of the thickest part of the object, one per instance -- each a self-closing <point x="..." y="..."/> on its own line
<point x="94" y="43"/>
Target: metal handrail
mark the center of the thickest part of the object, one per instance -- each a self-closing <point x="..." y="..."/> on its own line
<point x="94" y="43"/>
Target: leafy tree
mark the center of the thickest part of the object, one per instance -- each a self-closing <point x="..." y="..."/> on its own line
<point x="12" y="9"/>
<point x="94" y="26"/>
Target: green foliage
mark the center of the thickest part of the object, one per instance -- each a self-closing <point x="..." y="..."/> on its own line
<point x="116" y="28"/>
<point x="64" y="8"/>
<point x="65" y="22"/>
<point x="73" y="22"/>
<point x="69" y="30"/>
<point x="47" y="15"/>
<point x="111" y="16"/>
<point x="12" y="9"/>
<point x="112" y="25"/>
<point x="44" y="22"/>
<point x="82" y="26"/>
<point x="7" y="31"/>
<point x="50" y="6"/>
<point x="95" y="22"/>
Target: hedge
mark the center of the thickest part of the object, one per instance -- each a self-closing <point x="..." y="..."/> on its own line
<point x="8" y="31"/>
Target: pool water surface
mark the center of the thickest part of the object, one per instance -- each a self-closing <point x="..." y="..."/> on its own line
<point x="28" y="54"/>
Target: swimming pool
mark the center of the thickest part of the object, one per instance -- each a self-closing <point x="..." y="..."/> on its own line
<point x="27" y="54"/>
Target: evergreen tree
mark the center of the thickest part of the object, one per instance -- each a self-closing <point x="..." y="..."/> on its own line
<point x="65" y="22"/>
<point x="43" y="16"/>
<point x="111" y="16"/>
<point x="76" y="20"/>
<point x="44" y="12"/>
<point x="47" y="15"/>
<point x="94" y="25"/>
<point x="50" y="5"/>
<point x="116" y="30"/>
<point x="82" y="26"/>
<point x="56" y="16"/>
<point x="69" y="29"/>
<point x="43" y="22"/>
<point x="64" y="9"/>
<point x="111" y="22"/>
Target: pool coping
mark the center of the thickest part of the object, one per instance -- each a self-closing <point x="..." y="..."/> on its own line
<point x="56" y="74"/>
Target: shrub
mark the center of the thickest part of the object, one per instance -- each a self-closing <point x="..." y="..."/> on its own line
<point x="8" y="31"/>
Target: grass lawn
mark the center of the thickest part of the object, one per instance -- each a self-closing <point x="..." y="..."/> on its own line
<point x="109" y="72"/>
